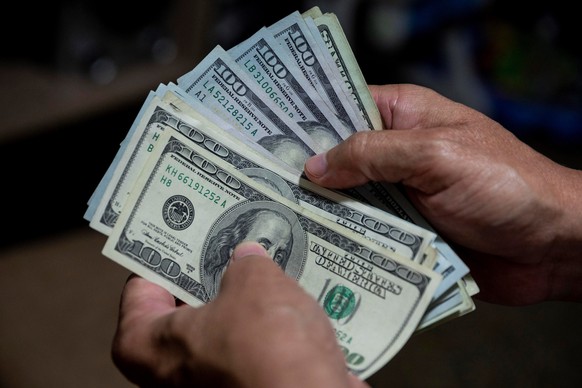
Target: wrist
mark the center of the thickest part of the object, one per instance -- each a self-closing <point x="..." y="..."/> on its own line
<point x="565" y="253"/>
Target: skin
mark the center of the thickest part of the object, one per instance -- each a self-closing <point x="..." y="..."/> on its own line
<point x="262" y="330"/>
<point x="512" y="214"/>
<point x="272" y="233"/>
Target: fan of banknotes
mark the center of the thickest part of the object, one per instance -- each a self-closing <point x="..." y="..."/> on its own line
<point x="217" y="158"/>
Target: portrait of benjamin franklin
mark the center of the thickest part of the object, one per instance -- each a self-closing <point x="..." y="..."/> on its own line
<point x="271" y="224"/>
<point x="324" y="136"/>
<point x="288" y="149"/>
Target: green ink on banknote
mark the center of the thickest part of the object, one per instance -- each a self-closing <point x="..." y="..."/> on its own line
<point x="339" y="302"/>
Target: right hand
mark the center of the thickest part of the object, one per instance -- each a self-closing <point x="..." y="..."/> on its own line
<point x="262" y="330"/>
<point x="513" y="215"/>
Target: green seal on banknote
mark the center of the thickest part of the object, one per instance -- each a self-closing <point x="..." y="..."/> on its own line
<point x="339" y="302"/>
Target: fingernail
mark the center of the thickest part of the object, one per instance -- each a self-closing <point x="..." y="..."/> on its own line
<point x="248" y="248"/>
<point x="317" y="165"/>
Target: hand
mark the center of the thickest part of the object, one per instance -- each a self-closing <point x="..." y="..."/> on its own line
<point x="262" y="330"/>
<point x="513" y="215"/>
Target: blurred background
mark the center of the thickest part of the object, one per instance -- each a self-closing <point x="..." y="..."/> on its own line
<point x="74" y="74"/>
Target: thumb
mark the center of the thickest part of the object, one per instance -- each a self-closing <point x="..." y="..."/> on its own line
<point x="387" y="155"/>
<point x="247" y="249"/>
<point x="251" y="265"/>
<point x="247" y="257"/>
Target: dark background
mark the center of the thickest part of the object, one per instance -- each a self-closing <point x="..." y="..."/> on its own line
<point x="74" y="81"/>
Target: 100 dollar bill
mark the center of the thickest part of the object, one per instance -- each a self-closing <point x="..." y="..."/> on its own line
<point x="403" y="238"/>
<point x="176" y="115"/>
<point x="189" y="209"/>
<point x="301" y="46"/>
<point x="336" y="43"/>
<point x="388" y="231"/>
<point x="219" y="83"/>
<point x="260" y="56"/>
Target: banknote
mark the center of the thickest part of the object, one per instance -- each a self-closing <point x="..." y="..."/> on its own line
<point x="219" y="83"/>
<point x="392" y="200"/>
<point x="390" y="232"/>
<point x="336" y="43"/>
<point x="260" y="57"/>
<point x="382" y="195"/>
<point x="454" y="303"/>
<point x="188" y="210"/>
<point x="385" y="196"/>
<point x="218" y="157"/>
<point x="406" y="239"/>
<point x="114" y="188"/>
<point x="299" y="43"/>
<point x="98" y="193"/>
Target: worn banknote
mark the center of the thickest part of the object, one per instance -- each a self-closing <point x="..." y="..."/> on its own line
<point x="334" y="40"/>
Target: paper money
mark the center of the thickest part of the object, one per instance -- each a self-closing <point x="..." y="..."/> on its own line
<point x="99" y="191"/>
<point x="390" y="232"/>
<point x="123" y="172"/>
<point x="219" y="84"/>
<point x="336" y="43"/>
<point x="406" y="239"/>
<point x="389" y="198"/>
<point x="261" y="57"/>
<point x="228" y="142"/>
<point x="297" y="41"/>
<point x="189" y="209"/>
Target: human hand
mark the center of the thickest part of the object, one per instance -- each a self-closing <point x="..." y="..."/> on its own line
<point x="262" y="330"/>
<point x="512" y="214"/>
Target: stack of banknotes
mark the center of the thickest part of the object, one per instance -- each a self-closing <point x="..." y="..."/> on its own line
<point x="217" y="158"/>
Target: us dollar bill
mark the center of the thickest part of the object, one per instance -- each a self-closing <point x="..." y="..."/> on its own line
<point x="99" y="191"/>
<point x="262" y="59"/>
<point x="113" y="190"/>
<point x="188" y="210"/>
<point x="391" y="199"/>
<point x="406" y="239"/>
<point x="174" y="114"/>
<point x="336" y="43"/>
<point x="299" y="43"/>
<point x="454" y="303"/>
<point x="390" y="232"/>
<point x="219" y="84"/>
<point x="382" y="195"/>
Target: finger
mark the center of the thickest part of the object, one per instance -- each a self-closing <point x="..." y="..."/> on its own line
<point x="391" y="156"/>
<point x="248" y="248"/>
<point x="406" y="106"/>
<point x="143" y="299"/>
<point x="142" y="303"/>
<point x="250" y="264"/>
